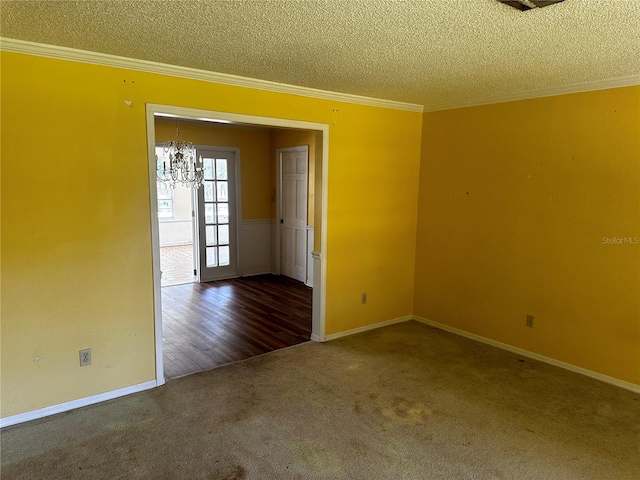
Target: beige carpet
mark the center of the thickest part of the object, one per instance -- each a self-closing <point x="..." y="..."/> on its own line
<point x="402" y="402"/>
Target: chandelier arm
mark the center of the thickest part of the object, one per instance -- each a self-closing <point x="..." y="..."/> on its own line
<point x="184" y="167"/>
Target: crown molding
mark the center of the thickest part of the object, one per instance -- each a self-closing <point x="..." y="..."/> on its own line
<point x="619" y="82"/>
<point x="84" y="56"/>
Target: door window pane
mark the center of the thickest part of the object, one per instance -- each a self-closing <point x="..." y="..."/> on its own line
<point x="211" y="235"/>
<point x="222" y="189"/>
<point x="208" y="168"/>
<point x="212" y="260"/>
<point x="221" y="169"/>
<point x="223" y="213"/>
<point x="223" y="234"/>
<point x="209" y="215"/>
<point x="224" y="256"/>
<point x="208" y="192"/>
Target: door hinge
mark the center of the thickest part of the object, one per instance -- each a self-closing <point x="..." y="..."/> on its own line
<point x="281" y="220"/>
<point x="195" y="272"/>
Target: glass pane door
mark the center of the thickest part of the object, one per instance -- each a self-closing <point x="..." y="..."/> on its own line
<point x="217" y="215"/>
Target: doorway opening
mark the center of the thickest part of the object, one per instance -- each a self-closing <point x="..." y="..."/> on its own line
<point x="248" y="229"/>
<point x="176" y="232"/>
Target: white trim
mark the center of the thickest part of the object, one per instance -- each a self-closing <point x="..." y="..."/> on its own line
<point x="155" y="244"/>
<point x="277" y="232"/>
<point x="310" y="238"/>
<point x="366" y="328"/>
<point x="72" y="405"/>
<point x="94" y="58"/>
<point x="320" y="280"/>
<point x="318" y="316"/>
<point x="619" y="82"/>
<point x="525" y="353"/>
<point x="204" y="115"/>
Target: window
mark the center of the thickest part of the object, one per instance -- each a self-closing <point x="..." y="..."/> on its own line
<point x="165" y="192"/>
<point x="165" y="201"/>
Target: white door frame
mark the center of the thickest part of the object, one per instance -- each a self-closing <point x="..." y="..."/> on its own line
<point x="319" y="307"/>
<point x="278" y="245"/>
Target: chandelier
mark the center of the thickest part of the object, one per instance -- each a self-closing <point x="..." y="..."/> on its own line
<point x="182" y="166"/>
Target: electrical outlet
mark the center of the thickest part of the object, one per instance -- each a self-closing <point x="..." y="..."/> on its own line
<point x="85" y="357"/>
<point x="363" y="298"/>
<point x="529" y="321"/>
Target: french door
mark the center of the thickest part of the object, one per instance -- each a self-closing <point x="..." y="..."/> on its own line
<point x="217" y="215"/>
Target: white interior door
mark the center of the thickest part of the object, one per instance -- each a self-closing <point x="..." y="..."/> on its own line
<point x="293" y="167"/>
<point x="217" y="215"/>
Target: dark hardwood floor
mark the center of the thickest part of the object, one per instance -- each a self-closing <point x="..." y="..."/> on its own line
<point x="206" y="325"/>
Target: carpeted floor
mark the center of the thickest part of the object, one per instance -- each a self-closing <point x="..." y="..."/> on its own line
<point x="401" y="402"/>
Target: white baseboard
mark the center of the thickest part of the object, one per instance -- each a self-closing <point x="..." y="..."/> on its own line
<point x="365" y="328"/>
<point x="72" y="405"/>
<point x="525" y="353"/>
<point x="257" y="272"/>
<point x="83" y="402"/>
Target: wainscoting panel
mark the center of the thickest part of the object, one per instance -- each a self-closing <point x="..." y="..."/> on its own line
<point x="175" y="232"/>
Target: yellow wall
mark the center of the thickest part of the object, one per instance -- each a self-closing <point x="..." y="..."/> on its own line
<point x="515" y="199"/>
<point x="76" y="246"/>
<point x="372" y="218"/>
<point x="256" y="161"/>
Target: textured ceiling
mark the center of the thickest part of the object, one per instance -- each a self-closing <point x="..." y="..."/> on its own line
<point x="436" y="53"/>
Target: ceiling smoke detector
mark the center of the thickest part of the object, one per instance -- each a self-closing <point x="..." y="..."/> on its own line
<point x="524" y="5"/>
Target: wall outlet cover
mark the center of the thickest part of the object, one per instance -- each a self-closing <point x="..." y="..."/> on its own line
<point x="529" y="321"/>
<point x="85" y="357"/>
